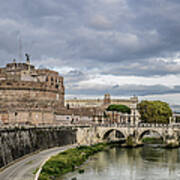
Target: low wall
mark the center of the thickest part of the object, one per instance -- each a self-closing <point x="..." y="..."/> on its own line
<point x="16" y="142"/>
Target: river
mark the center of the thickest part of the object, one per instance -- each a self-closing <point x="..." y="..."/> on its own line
<point x="145" y="163"/>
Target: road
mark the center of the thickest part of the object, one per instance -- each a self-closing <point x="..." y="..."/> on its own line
<point x="23" y="169"/>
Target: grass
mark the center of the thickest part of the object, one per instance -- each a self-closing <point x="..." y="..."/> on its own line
<point x="68" y="161"/>
<point x="35" y="171"/>
<point x="152" y="140"/>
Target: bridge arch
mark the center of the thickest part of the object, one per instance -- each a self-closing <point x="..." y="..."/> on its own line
<point x="145" y="132"/>
<point x="118" y="134"/>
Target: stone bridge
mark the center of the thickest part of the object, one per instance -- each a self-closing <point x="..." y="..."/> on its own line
<point x="89" y="135"/>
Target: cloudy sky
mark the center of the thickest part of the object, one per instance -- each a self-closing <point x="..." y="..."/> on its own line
<point x="124" y="47"/>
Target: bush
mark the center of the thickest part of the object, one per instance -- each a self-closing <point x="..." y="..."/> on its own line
<point x="67" y="161"/>
<point x="119" y="108"/>
<point x="129" y="141"/>
<point x="154" y="111"/>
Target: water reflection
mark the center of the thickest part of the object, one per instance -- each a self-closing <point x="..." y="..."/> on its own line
<point x="131" y="164"/>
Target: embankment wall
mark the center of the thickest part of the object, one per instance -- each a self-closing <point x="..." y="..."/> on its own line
<point x="16" y="142"/>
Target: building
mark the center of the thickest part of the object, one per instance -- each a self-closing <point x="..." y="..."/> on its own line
<point x="29" y="95"/>
<point x="103" y="103"/>
<point x="99" y="106"/>
<point x="81" y="116"/>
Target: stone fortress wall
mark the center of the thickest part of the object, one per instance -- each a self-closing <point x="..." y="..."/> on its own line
<point x="29" y="95"/>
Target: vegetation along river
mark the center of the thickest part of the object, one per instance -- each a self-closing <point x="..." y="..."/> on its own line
<point x="145" y="163"/>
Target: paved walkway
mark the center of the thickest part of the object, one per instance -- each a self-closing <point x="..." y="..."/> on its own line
<point x="23" y="169"/>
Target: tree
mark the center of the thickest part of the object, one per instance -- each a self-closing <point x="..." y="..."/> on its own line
<point x="119" y="108"/>
<point x="154" y="111"/>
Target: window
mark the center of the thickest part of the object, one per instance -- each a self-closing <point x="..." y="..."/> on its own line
<point x="68" y="106"/>
<point x="8" y="83"/>
<point x="57" y="96"/>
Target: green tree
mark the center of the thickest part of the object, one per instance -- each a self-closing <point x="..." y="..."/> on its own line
<point x="119" y="108"/>
<point x="154" y="111"/>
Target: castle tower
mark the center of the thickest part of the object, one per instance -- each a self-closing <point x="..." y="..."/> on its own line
<point x="107" y="99"/>
<point x="34" y="95"/>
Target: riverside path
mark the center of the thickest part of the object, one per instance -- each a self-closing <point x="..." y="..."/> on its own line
<point x="24" y="169"/>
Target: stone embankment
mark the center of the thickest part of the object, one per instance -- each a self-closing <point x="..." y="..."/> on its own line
<point x="16" y="142"/>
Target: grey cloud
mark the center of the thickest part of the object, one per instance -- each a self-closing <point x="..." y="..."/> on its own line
<point x="74" y="76"/>
<point x="124" y="90"/>
<point x="148" y="68"/>
<point x="124" y="37"/>
<point x="96" y="30"/>
<point x="100" y="22"/>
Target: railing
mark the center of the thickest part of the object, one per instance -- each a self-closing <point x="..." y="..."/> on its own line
<point x="26" y="126"/>
<point x="140" y="125"/>
<point x="127" y="125"/>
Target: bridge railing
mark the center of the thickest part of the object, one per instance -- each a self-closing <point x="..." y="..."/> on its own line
<point x="145" y="125"/>
<point x="141" y="125"/>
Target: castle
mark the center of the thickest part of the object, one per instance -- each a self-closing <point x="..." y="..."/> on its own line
<point x="29" y="95"/>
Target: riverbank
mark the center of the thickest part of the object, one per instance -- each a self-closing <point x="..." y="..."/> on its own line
<point x="68" y="161"/>
<point x="158" y="143"/>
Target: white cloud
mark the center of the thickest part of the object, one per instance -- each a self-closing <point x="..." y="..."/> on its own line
<point x="169" y="80"/>
<point x="173" y="99"/>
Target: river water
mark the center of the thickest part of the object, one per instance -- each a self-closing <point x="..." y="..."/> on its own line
<point x="145" y="163"/>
